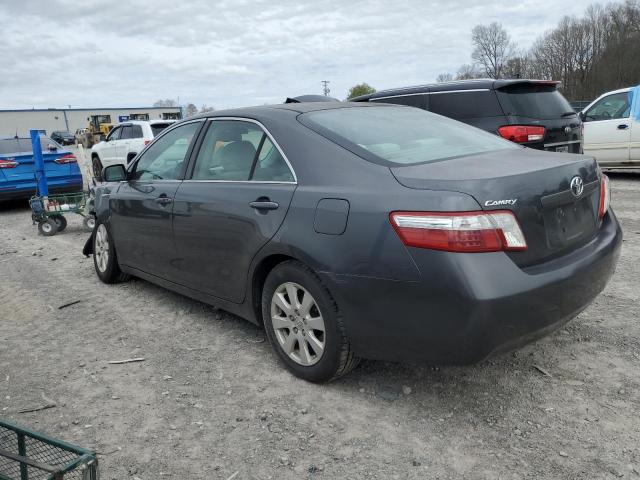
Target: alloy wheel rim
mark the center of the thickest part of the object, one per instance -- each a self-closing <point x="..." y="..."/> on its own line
<point x="298" y="324"/>
<point x="46" y="227"/>
<point x="102" y="248"/>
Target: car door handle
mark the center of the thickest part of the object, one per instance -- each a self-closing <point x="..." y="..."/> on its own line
<point x="623" y="126"/>
<point x="264" y="205"/>
<point x="164" y="200"/>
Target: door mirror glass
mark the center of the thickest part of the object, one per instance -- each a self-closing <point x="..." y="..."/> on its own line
<point x="114" y="173"/>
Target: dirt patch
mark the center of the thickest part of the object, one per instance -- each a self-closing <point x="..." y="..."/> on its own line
<point x="210" y="399"/>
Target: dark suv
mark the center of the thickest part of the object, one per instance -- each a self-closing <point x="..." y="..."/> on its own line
<point x="529" y="112"/>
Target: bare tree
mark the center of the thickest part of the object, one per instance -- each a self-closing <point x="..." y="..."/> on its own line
<point x="206" y="108"/>
<point x="444" y="77"/>
<point x="166" y="103"/>
<point x="467" y="72"/>
<point x="492" y="48"/>
<point x="191" y="110"/>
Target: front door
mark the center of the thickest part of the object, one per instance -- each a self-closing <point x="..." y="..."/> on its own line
<point x="108" y="150"/>
<point x="233" y="202"/>
<point x="141" y="208"/>
<point x="607" y="129"/>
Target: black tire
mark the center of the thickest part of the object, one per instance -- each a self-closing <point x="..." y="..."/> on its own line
<point x="48" y="228"/>
<point x="109" y="272"/>
<point x="338" y="358"/>
<point x="96" y="165"/>
<point x="60" y="221"/>
<point x="89" y="223"/>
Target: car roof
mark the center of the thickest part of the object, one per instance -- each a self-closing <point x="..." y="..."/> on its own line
<point x="144" y="122"/>
<point x="454" y="85"/>
<point x="292" y="107"/>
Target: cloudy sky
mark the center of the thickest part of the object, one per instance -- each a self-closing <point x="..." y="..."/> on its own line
<point x="228" y="53"/>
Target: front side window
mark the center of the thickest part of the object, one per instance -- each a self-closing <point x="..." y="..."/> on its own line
<point x="396" y="136"/>
<point x="164" y="159"/>
<point x="114" y="134"/>
<point x="239" y="151"/>
<point x="610" y="107"/>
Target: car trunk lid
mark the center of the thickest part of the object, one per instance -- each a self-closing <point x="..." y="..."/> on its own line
<point x="536" y="186"/>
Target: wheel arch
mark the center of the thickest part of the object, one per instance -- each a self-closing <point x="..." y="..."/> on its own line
<point x="258" y="277"/>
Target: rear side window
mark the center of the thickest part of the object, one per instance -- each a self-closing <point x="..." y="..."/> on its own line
<point x="464" y="105"/>
<point x="126" y="132"/>
<point x="409" y="100"/>
<point x="239" y="151"/>
<point x="156" y="128"/>
<point x="534" y="101"/>
<point x="137" y="131"/>
<point x="401" y="136"/>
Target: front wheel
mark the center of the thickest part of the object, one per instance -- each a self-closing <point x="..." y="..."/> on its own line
<point x="104" y="257"/>
<point x="97" y="168"/>
<point x="304" y="325"/>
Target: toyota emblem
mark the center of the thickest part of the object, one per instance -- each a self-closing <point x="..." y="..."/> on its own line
<point x="577" y="186"/>
<point x="567" y="129"/>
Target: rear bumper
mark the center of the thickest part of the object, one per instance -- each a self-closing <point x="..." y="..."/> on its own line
<point x="469" y="306"/>
<point x="27" y="190"/>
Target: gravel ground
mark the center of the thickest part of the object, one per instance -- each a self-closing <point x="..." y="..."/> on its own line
<point x="211" y="400"/>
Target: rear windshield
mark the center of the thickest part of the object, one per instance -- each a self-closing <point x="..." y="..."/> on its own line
<point x="534" y="101"/>
<point x="23" y="145"/>
<point x="156" y="128"/>
<point x="401" y="135"/>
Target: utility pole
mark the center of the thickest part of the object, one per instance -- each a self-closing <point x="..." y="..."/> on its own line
<point x="325" y="87"/>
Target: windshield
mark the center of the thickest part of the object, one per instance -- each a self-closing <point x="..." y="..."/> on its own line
<point x="23" y="145"/>
<point x="401" y="135"/>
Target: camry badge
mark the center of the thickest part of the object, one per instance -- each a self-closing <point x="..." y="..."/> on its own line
<point x="577" y="186"/>
<point x="493" y="203"/>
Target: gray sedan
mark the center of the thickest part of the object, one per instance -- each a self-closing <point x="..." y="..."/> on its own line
<point x="361" y="231"/>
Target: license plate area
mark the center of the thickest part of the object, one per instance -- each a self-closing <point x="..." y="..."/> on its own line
<point x="568" y="223"/>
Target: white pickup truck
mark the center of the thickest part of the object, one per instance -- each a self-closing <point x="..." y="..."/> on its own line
<point x="124" y="142"/>
<point x="612" y="128"/>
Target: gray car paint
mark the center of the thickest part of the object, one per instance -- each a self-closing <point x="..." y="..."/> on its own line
<point x="398" y="303"/>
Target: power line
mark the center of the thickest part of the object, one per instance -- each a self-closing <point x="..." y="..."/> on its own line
<point x="325" y="87"/>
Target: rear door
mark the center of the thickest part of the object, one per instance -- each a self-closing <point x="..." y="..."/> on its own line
<point x="235" y="200"/>
<point x="541" y="104"/>
<point x="141" y="208"/>
<point x="607" y="129"/>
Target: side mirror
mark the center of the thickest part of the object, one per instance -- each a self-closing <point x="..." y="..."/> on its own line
<point x="114" y="173"/>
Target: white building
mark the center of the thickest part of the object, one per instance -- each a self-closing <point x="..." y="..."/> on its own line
<point x="19" y="122"/>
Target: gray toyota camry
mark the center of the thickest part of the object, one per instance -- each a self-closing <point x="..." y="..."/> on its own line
<point x="361" y="231"/>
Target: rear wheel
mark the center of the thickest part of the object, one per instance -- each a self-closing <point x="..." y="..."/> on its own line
<point x="104" y="257"/>
<point x="61" y="222"/>
<point x="96" y="165"/>
<point x="304" y="325"/>
<point x="48" y="228"/>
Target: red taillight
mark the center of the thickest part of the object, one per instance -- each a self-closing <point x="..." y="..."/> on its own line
<point x="459" y="231"/>
<point x="8" y="163"/>
<point x="605" y="196"/>
<point x="522" y="133"/>
<point x="69" y="158"/>
<point x="147" y="142"/>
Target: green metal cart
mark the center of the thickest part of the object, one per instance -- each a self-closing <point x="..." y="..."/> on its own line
<point x="49" y="211"/>
<point x="28" y="455"/>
